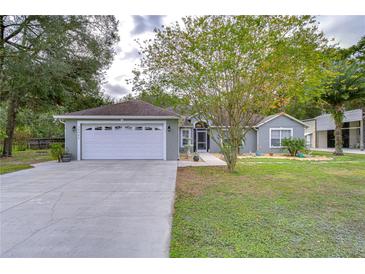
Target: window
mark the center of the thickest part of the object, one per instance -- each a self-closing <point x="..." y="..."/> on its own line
<point x="108" y="128"/>
<point x="98" y="128"/>
<point x="158" y="128"/>
<point x="138" y="128"/>
<point x="118" y="127"/>
<point x="278" y="134"/>
<point x="147" y="128"/>
<point x="185" y="137"/>
<point x="89" y="128"/>
<point x="128" y="127"/>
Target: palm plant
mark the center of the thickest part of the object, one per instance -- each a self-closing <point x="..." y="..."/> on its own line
<point x="346" y="85"/>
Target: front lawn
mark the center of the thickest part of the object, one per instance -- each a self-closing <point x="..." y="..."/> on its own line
<point x="271" y="208"/>
<point x="23" y="160"/>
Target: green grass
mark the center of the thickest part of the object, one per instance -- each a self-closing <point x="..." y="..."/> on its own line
<point x="23" y="160"/>
<point x="271" y="208"/>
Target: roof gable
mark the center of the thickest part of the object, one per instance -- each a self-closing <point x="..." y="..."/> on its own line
<point x="272" y="117"/>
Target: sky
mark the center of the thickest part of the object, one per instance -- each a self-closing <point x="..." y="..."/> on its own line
<point x="346" y="30"/>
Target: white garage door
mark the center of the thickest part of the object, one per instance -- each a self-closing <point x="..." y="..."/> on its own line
<point x="122" y="141"/>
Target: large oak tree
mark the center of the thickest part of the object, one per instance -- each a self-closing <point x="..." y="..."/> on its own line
<point x="233" y="68"/>
<point x="50" y="60"/>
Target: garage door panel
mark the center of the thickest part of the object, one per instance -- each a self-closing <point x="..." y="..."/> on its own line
<point x="123" y="141"/>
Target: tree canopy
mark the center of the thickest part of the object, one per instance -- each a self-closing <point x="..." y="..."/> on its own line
<point x="52" y="60"/>
<point x="233" y="68"/>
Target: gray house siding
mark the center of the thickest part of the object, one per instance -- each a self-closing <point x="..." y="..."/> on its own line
<point x="250" y="145"/>
<point x="214" y="147"/>
<point x="279" y="122"/>
<point x="171" y="138"/>
<point x="71" y="138"/>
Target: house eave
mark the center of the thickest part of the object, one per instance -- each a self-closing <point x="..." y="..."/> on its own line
<point x="281" y="114"/>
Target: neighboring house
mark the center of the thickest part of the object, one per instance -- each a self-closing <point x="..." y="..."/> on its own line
<point x="138" y="130"/>
<point x="320" y="132"/>
<point x="265" y="136"/>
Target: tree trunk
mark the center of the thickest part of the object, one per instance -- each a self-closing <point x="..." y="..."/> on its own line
<point x="2" y="52"/>
<point x="10" y="126"/>
<point x="230" y="156"/>
<point x="338" y="118"/>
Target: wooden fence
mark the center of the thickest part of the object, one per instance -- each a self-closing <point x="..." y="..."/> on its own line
<point x="43" y="143"/>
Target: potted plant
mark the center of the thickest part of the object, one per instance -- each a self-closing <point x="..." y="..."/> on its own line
<point x="58" y="153"/>
<point x="196" y="157"/>
<point x="66" y="157"/>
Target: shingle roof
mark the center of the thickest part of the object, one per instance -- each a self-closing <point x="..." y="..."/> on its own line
<point x="127" y="108"/>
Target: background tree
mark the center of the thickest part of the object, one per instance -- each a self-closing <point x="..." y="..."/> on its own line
<point x="232" y="68"/>
<point x="49" y="60"/>
<point x="345" y="87"/>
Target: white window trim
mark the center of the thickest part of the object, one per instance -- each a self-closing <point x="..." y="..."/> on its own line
<point x="182" y="136"/>
<point x="279" y="128"/>
<point x="98" y="122"/>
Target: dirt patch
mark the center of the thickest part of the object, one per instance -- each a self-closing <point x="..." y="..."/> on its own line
<point x="190" y="181"/>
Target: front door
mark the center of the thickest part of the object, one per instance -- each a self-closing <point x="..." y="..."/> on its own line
<point x="201" y="140"/>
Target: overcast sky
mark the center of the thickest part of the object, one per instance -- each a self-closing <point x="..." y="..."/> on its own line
<point x="346" y="30"/>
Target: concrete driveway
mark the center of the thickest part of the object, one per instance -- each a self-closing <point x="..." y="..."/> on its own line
<point x="88" y="209"/>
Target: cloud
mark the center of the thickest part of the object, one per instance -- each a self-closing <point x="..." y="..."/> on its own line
<point x="146" y="23"/>
<point x="133" y="54"/>
<point x="115" y="90"/>
<point x="120" y="77"/>
<point x="347" y="30"/>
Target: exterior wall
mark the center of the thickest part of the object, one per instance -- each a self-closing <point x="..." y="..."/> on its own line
<point x="214" y="147"/>
<point x="354" y="133"/>
<point x="325" y="121"/>
<point x="71" y="138"/>
<point x="311" y="131"/>
<point x="322" y="139"/>
<point x="172" y="138"/>
<point x="263" y="132"/>
<point x="250" y="145"/>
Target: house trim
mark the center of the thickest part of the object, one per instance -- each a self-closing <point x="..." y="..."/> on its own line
<point x="280" y="128"/>
<point x="282" y="114"/>
<point x="182" y="136"/>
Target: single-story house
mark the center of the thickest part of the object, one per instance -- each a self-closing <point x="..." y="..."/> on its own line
<point x="138" y="130"/>
<point x="321" y="130"/>
<point x="265" y="136"/>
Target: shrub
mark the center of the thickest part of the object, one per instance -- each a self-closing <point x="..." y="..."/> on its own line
<point x="293" y="145"/>
<point x="21" y="138"/>
<point x="57" y="151"/>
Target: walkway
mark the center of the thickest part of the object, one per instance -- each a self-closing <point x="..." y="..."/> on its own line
<point x="208" y="160"/>
<point x="345" y="150"/>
